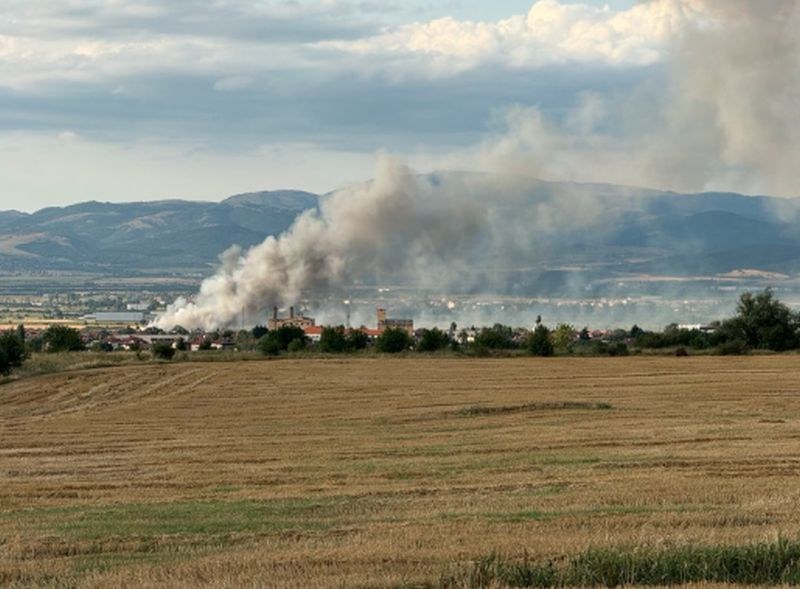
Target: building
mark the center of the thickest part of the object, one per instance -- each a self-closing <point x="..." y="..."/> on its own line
<point x="384" y="323"/>
<point x="117" y="317"/>
<point x="292" y="321"/>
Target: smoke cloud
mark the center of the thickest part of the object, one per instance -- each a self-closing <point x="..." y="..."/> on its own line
<point x="724" y="118"/>
<point x="397" y="225"/>
<point x="727" y="119"/>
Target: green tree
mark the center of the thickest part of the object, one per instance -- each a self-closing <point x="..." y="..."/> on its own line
<point x="497" y="337"/>
<point x="278" y="340"/>
<point x="12" y="352"/>
<point x="357" y="340"/>
<point x="393" y="341"/>
<point x="762" y="321"/>
<point x="539" y="342"/>
<point x="60" y="338"/>
<point x="433" y="340"/>
<point x="564" y="337"/>
<point x="163" y="351"/>
<point x="333" y="340"/>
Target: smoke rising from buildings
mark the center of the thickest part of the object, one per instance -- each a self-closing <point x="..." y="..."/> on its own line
<point x="728" y="120"/>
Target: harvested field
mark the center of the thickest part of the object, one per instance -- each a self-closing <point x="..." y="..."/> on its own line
<point x="386" y="472"/>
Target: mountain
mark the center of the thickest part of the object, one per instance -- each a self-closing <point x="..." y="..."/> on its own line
<point x="632" y="232"/>
<point x="162" y="236"/>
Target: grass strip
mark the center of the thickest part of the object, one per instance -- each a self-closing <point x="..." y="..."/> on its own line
<point x="477" y="410"/>
<point x="768" y="563"/>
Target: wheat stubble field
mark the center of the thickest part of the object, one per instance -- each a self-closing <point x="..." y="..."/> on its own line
<point x="385" y="472"/>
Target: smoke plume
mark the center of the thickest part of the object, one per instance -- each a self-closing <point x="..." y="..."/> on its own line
<point x="728" y="119"/>
<point x="399" y="224"/>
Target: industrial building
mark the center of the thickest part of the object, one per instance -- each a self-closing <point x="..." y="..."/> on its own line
<point x="292" y="321"/>
<point x="384" y="323"/>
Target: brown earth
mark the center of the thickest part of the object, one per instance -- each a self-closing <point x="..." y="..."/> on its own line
<point x="379" y="472"/>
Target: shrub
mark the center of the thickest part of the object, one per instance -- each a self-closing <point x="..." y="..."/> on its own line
<point x="681" y="353"/>
<point x="393" y="341"/>
<point x="296" y="345"/>
<point x="163" y="351"/>
<point x="614" y="350"/>
<point x="732" y="348"/>
<point x="269" y="347"/>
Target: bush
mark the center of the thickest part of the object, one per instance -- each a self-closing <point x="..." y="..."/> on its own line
<point x="393" y="341"/>
<point x="681" y="353"/>
<point x="539" y="343"/>
<point x="60" y="338"/>
<point x="732" y="348"/>
<point x="269" y="347"/>
<point x="433" y="340"/>
<point x="12" y="352"/>
<point x="163" y="351"/>
<point x="613" y="350"/>
<point x="296" y="345"/>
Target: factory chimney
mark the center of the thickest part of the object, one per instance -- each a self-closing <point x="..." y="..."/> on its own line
<point x="291" y="312"/>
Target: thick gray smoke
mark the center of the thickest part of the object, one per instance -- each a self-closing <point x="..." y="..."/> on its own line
<point x="724" y="120"/>
<point x="729" y="119"/>
<point x="397" y="225"/>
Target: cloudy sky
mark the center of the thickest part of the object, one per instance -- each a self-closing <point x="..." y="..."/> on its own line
<point x="145" y="99"/>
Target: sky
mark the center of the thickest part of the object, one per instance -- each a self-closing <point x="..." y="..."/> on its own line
<point x="119" y="100"/>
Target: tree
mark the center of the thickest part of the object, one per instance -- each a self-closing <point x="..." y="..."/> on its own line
<point x="636" y="331"/>
<point x="563" y="337"/>
<point x="762" y="321"/>
<point x="393" y="341"/>
<point x="498" y="337"/>
<point x="259" y="331"/>
<point x="280" y="339"/>
<point x="163" y="351"/>
<point x="60" y="338"/>
<point x="181" y="345"/>
<point x="357" y="340"/>
<point x="539" y="342"/>
<point x="333" y="340"/>
<point x="433" y="340"/>
<point x="12" y="352"/>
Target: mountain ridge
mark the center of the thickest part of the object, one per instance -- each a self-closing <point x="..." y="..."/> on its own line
<point x="650" y="231"/>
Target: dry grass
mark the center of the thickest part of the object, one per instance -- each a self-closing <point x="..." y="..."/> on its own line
<point x="369" y="472"/>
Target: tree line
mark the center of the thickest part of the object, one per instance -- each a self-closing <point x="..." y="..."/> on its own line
<point x="761" y="322"/>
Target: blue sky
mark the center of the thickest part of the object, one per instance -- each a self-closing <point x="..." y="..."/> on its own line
<point x="146" y="99"/>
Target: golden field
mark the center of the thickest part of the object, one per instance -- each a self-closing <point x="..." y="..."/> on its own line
<point x="385" y="472"/>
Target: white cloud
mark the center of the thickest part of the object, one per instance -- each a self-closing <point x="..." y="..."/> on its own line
<point x="552" y="32"/>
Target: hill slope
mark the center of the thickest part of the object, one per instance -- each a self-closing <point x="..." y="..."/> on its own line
<point x="633" y="231"/>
